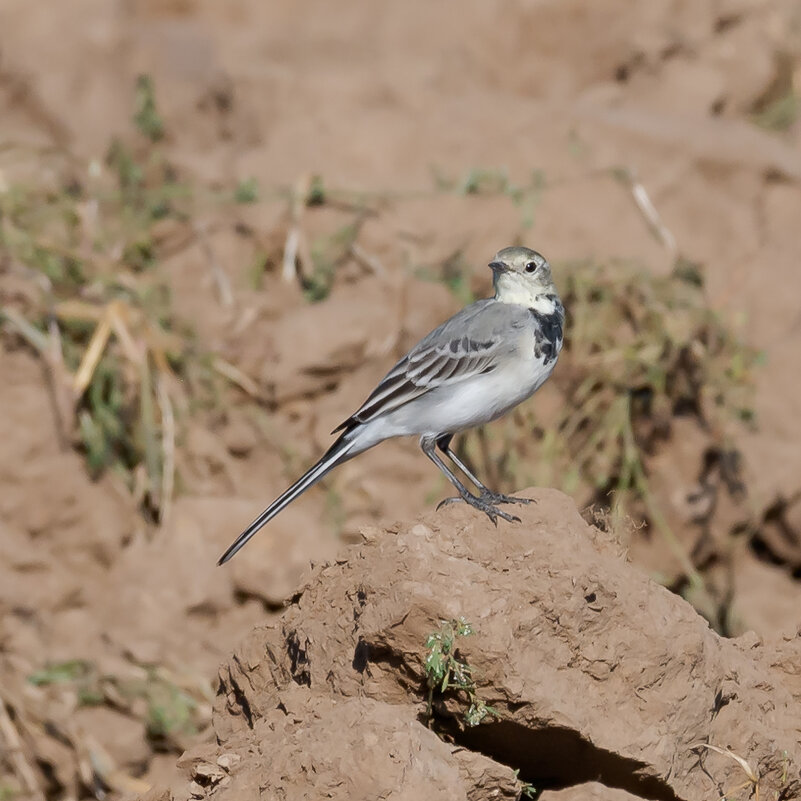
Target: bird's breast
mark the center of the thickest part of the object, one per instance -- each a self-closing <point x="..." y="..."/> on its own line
<point x="548" y="334"/>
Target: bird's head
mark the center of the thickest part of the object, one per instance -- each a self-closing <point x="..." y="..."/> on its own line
<point x="521" y="276"/>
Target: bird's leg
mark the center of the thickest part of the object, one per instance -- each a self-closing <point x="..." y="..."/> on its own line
<point x="428" y="444"/>
<point x="485" y="494"/>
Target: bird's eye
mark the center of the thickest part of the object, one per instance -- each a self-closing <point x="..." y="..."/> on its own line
<point x="531" y="266"/>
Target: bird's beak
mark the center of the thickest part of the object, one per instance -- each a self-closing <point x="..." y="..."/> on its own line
<point x="498" y="267"/>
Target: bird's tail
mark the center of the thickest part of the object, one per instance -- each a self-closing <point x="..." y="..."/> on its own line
<point x="336" y="454"/>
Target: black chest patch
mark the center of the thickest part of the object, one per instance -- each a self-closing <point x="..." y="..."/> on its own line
<point x="548" y="332"/>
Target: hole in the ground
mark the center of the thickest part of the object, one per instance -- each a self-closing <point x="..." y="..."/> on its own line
<point x="361" y="656"/>
<point x="555" y="758"/>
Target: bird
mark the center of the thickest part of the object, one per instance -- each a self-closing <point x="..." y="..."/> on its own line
<point x="479" y="364"/>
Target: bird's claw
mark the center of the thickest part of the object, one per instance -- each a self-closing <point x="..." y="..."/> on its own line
<point x="448" y="501"/>
<point x="483" y="505"/>
<point x="488" y="496"/>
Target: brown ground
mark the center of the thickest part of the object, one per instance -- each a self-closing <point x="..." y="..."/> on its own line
<point x="374" y="98"/>
<point x="583" y="686"/>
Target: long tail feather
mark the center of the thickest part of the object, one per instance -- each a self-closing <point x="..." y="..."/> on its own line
<point x="335" y="455"/>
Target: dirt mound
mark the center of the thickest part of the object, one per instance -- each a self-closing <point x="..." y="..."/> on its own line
<point x="393" y="149"/>
<point x="579" y="669"/>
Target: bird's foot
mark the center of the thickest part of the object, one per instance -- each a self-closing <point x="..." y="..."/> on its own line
<point x="489" y="496"/>
<point x="483" y="505"/>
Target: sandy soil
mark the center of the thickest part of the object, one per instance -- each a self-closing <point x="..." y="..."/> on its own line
<point x="378" y="99"/>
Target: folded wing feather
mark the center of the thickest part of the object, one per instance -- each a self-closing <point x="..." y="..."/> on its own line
<point x="462" y="347"/>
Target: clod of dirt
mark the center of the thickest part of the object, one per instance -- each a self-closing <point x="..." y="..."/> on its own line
<point x="591" y="673"/>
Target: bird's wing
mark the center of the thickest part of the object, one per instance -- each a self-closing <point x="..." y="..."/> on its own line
<point x="470" y="343"/>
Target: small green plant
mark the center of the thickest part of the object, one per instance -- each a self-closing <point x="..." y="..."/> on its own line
<point x="527" y="790"/>
<point x="170" y="712"/>
<point x="247" y="191"/>
<point x="454" y="272"/>
<point x="780" y="114"/>
<point x="327" y="253"/>
<point x="146" y="117"/>
<point x="317" y="194"/>
<point x="61" y="672"/>
<point x="445" y="669"/>
<point x="80" y="674"/>
<point x="779" y="108"/>
<point x="483" y="181"/>
<point x="100" y="315"/>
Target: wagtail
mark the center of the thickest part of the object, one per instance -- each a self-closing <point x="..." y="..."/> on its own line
<point x="472" y="369"/>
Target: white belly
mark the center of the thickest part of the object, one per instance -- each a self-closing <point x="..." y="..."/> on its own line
<point x="466" y="404"/>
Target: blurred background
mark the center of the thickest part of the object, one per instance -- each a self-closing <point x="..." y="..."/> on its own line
<point x="221" y="223"/>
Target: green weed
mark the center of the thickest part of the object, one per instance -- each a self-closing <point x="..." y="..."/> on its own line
<point x="446" y="670"/>
<point x="169" y="712"/>
<point x="69" y="671"/>
<point x="455" y="274"/>
<point x="76" y="673"/>
<point x="146" y="118"/>
<point x="527" y="790"/>
<point x="98" y="312"/>
<point x="495" y="181"/>
<point x="327" y="254"/>
<point x="780" y="114"/>
<point x="779" y="108"/>
<point x="247" y="191"/>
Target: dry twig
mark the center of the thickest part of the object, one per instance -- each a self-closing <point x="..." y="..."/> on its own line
<point x="24" y="771"/>
<point x="648" y="210"/>
<point x="167" y="448"/>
